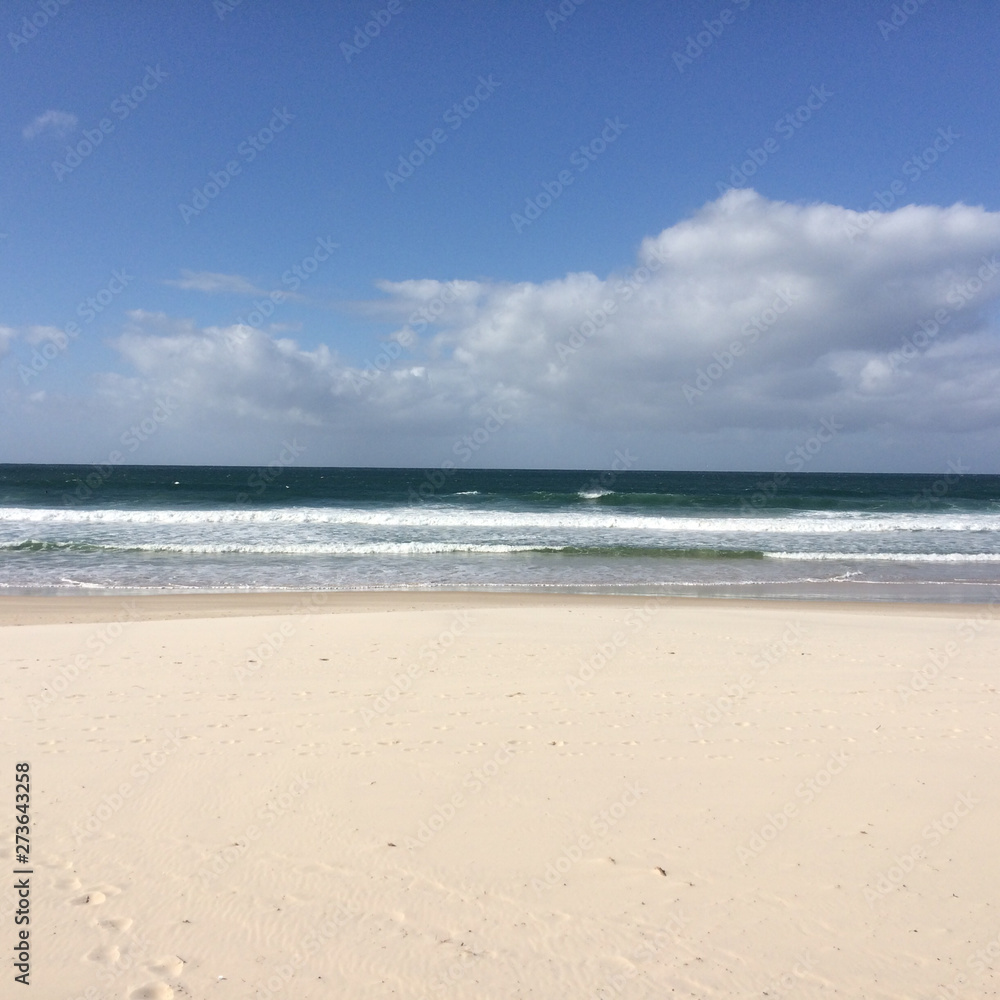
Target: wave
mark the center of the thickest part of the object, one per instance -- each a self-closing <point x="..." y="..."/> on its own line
<point x="923" y="557"/>
<point x="435" y="516"/>
<point x="284" y="548"/>
<point x="382" y="548"/>
<point x="488" y="548"/>
<point x="33" y="545"/>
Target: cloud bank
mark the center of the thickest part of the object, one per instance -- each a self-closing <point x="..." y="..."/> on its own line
<point x="751" y="317"/>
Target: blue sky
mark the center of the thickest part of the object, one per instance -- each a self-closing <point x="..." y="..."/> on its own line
<point x="828" y="106"/>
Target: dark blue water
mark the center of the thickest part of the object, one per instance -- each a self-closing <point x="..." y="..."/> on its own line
<point x="910" y="537"/>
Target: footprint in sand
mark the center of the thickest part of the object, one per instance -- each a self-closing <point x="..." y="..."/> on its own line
<point x="90" y="899"/>
<point x="118" y="924"/>
<point x="52" y="861"/>
<point x="152" y="991"/>
<point x="104" y="953"/>
<point x="96" y="896"/>
<point x="169" y="966"/>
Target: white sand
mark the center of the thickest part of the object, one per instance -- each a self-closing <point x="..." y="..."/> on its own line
<point x="303" y="827"/>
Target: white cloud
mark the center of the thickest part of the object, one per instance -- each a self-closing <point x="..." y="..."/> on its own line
<point x="211" y="282"/>
<point x="35" y="335"/>
<point x="56" y="123"/>
<point x="7" y="334"/>
<point x="589" y="358"/>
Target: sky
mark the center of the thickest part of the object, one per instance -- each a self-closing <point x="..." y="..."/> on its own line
<point x="709" y="235"/>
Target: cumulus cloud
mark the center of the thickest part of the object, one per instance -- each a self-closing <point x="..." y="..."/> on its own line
<point x="752" y="316"/>
<point x="56" y="123"/>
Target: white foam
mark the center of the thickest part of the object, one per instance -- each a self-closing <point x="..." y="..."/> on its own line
<point x="924" y="557"/>
<point x="436" y="516"/>
<point x="322" y="548"/>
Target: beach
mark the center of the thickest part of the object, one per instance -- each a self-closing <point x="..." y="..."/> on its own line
<point x="504" y="795"/>
<point x="533" y="538"/>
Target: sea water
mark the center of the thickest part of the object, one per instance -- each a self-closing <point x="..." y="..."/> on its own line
<point x="154" y="528"/>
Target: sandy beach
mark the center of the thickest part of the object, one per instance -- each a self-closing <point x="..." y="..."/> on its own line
<point x="469" y="795"/>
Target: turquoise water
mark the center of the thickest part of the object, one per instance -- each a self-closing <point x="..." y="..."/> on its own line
<point x="907" y="537"/>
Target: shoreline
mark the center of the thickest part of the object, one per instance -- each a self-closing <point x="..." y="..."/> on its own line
<point x="76" y="607"/>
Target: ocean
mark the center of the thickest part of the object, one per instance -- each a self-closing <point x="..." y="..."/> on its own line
<point x="68" y="529"/>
